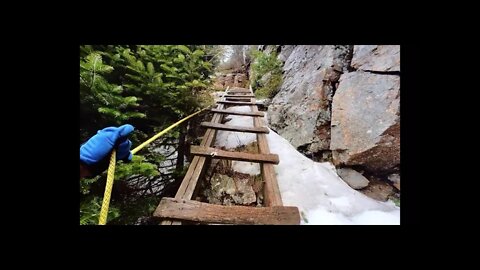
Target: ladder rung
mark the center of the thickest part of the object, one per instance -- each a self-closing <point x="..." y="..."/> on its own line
<point x="237" y="102"/>
<point x="230" y="155"/>
<point x="235" y="128"/>
<point x="238" y="91"/>
<point x="230" y="96"/>
<point x="261" y="114"/>
<point x="247" y="99"/>
<point x="212" y="213"/>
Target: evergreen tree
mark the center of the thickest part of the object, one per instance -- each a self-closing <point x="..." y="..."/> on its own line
<point x="150" y="87"/>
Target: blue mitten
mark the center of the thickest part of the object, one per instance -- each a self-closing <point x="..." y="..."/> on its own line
<point x="99" y="146"/>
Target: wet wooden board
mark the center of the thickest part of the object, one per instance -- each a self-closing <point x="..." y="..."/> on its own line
<point x="239" y="91"/>
<point x="239" y="99"/>
<point x="231" y="155"/>
<point x="271" y="189"/>
<point x="261" y="114"/>
<point x="237" y="102"/>
<point x="235" y="128"/>
<point x="231" y="96"/>
<point x="212" y="213"/>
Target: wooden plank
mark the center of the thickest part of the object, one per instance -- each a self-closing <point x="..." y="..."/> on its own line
<point x="237" y="102"/>
<point x="239" y="90"/>
<point x="244" y="94"/>
<point x="237" y="96"/>
<point x="271" y="189"/>
<point x="231" y="96"/>
<point x="235" y="128"/>
<point x="261" y="114"/>
<point x="239" y="99"/>
<point x="230" y="155"/>
<point x="212" y="213"/>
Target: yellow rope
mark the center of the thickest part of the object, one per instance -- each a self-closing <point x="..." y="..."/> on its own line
<point x="138" y="148"/>
<point x="108" y="190"/>
<point x="111" y="168"/>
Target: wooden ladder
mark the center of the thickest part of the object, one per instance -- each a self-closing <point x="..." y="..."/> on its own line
<point x="182" y="207"/>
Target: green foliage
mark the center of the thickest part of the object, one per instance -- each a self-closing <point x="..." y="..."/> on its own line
<point x="265" y="66"/>
<point x="271" y="87"/>
<point x="396" y="201"/>
<point x="148" y="86"/>
<point x="132" y="209"/>
<point x="90" y="211"/>
<point x="86" y="183"/>
<point x="137" y="166"/>
<point x="101" y="99"/>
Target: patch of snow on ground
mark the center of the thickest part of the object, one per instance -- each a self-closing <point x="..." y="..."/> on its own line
<point x="251" y="168"/>
<point x="231" y="139"/>
<point x="320" y="194"/>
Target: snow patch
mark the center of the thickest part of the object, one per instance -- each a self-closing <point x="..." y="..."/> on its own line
<point x="246" y="167"/>
<point x="231" y="139"/>
<point x="316" y="190"/>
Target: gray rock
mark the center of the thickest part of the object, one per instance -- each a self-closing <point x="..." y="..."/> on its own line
<point x="353" y="178"/>
<point x="376" y="57"/>
<point x="244" y="193"/>
<point x="227" y="191"/>
<point x="378" y="190"/>
<point x="300" y="112"/>
<point x="395" y="178"/>
<point x="285" y="52"/>
<point x="268" y="49"/>
<point x="366" y="121"/>
<point x="220" y="186"/>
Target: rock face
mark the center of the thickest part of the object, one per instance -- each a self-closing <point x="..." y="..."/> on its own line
<point x="376" y="57"/>
<point x="340" y="103"/>
<point x="353" y="178"/>
<point x="300" y="112"/>
<point x="340" y="98"/>
<point x="366" y="121"/>
<point x="268" y="49"/>
<point x="285" y="52"/>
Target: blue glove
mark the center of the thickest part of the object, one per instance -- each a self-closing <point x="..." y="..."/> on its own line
<point x="99" y="146"/>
